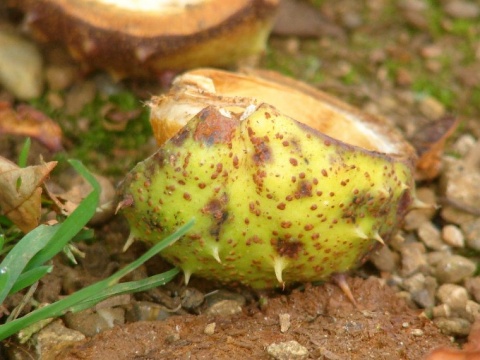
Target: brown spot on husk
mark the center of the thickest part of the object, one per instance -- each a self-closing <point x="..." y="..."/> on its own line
<point x="288" y="248"/>
<point x="214" y="128"/>
<point x="217" y="209"/>
<point x="180" y="137"/>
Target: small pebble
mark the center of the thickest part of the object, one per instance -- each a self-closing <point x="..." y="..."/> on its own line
<point x="430" y="236"/>
<point x="473" y="310"/>
<point x="453" y="326"/>
<point x="90" y="323"/>
<point x="415" y="218"/>
<point x="453" y="236"/>
<point x="461" y="184"/>
<point x="21" y="70"/>
<point x="416" y="332"/>
<point x="461" y="9"/>
<point x="210" y="329"/>
<point x="385" y="259"/>
<point x="224" y="303"/>
<point x="289" y="350"/>
<point x="464" y="144"/>
<point x="55" y="337"/>
<point x="473" y="287"/>
<point x="442" y="310"/>
<point x="412" y="258"/>
<point x="191" y="298"/>
<point x="455" y="296"/>
<point x="454" y="268"/>
<point x="422" y="289"/>
<point x="431" y="108"/>
<point x="284" y="322"/>
<point x="224" y="308"/>
<point x="471" y="230"/>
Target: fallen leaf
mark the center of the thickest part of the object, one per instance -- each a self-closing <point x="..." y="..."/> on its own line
<point x="429" y="141"/>
<point x="20" y="195"/>
<point x="77" y="188"/>
<point x="470" y="351"/>
<point x="30" y="122"/>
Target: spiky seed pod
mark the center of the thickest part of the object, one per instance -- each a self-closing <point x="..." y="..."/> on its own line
<point x="275" y="200"/>
<point x="145" y="38"/>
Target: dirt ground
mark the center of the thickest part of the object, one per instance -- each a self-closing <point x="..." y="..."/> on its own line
<point x="321" y="319"/>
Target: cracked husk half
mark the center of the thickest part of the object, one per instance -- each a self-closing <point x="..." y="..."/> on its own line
<point x="285" y="183"/>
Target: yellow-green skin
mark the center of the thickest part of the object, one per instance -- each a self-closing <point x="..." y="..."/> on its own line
<point x="274" y="201"/>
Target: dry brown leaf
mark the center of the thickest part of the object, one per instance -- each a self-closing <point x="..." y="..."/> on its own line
<point x="20" y="192"/>
<point x="69" y="190"/>
<point x="27" y="121"/>
<point x="429" y="142"/>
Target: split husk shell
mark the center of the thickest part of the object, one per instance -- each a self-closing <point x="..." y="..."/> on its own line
<point x="285" y="183"/>
<point x="144" y="39"/>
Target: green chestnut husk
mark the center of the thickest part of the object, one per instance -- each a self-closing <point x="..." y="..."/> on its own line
<point x="275" y="201"/>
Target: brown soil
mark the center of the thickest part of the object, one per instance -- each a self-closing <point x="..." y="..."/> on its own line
<point x="322" y="320"/>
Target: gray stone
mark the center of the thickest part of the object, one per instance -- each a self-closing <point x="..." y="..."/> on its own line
<point x="473" y="310"/>
<point x="442" y="310"/>
<point x="191" y="298"/>
<point x="454" y="268"/>
<point x="453" y="326"/>
<point x="471" y="230"/>
<point x="289" y="350"/>
<point x="412" y="258"/>
<point x="90" y="323"/>
<point x="385" y="259"/>
<point x="460" y="183"/>
<point x="415" y="218"/>
<point x="223" y="303"/>
<point x="53" y="338"/>
<point x="21" y="70"/>
<point x="422" y="288"/>
<point x="431" y="236"/>
<point x="473" y="287"/>
<point x="455" y="296"/>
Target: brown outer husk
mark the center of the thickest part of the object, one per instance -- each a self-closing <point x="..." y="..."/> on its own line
<point x="140" y="44"/>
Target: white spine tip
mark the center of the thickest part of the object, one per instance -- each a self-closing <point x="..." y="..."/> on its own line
<point x="378" y="238"/>
<point x="129" y="242"/>
<point x="216" y="255"/>
<point x="279" y="265"/>
<point x="361" y="234"/>
<point x="419" y="204"/>
<point x="186" y="276"/>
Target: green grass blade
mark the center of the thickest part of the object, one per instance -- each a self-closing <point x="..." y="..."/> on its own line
<point x="19" y="256"/>
<point x="128" y="288"/>
<point x="29" y="277"/>
<point x="23" y="157"/>
<point x="74" y="223"/>
<point x="62" y="306"/>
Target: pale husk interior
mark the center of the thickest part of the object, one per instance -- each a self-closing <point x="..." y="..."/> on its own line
<point x="235" y="92"/>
